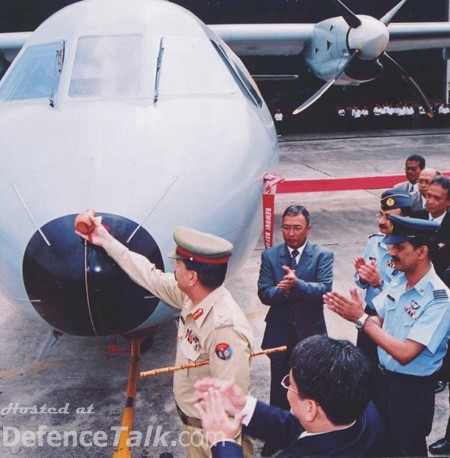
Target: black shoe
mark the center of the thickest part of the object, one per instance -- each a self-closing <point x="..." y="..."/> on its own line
<point x="440" y="447"/>
<point x="269" y="449"/>
<point x="439" y="386"/>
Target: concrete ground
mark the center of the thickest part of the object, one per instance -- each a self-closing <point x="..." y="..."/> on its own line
<point x="87" y="382"/>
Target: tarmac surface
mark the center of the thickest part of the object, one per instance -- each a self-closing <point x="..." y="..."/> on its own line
<point x="86" y="381"/>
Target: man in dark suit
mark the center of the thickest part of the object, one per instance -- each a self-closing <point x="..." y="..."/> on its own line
<point x="292" y="280"/>
<point x="418" y="200"/>
<point x="413" y="166"/>
<point x="436" y="209"/>
<point x="328" y="393"/>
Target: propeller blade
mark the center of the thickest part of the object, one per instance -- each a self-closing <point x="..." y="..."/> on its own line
<point x="405" y="75"/>
<point x="326" y="86"/>
<point x="349" y="16"/>
<point x="387" y="18"/>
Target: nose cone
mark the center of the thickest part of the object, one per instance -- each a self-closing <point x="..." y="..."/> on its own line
<point x="371" y="38"/>
<point x="77" y="288"/>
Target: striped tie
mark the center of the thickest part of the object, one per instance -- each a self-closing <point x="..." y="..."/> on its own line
<point x="288" y="312"/>
<point x="294" y="254"/>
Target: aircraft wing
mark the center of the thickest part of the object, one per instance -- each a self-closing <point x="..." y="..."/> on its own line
<point x="409" y="36"/>
<point x="288" y="39"/>
<point x="265" y="39"/>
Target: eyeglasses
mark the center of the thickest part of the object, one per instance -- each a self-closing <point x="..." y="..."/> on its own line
<point x="382" y="215"/>
<point x="422" y="181"/>
<point x="287" y="228"/>
<point x="286" y="384"/>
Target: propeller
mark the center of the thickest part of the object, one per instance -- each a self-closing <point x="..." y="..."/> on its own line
<point x="367" y="39"/>
<point x="408" y="78"/>
<point x="326" y="86"/>
<point x="349" y="16"/>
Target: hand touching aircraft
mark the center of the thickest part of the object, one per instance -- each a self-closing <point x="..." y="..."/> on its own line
<point x="140" y="111"/>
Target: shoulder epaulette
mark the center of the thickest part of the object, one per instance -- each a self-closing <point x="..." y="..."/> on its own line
<point x="376" y="233"/>
<point x="222" y="318"/>
<point x="440" y="294"/>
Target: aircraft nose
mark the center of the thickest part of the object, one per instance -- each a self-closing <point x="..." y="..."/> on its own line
<point x="77" y="288"/>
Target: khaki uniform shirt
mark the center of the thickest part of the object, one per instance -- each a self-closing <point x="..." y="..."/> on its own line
<point x="215" y="329"/>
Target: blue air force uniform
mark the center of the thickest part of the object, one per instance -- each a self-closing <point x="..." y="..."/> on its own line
<point x="404" y="393"/>
<point x="377" y="250"/>
<point x="421" y="314"/>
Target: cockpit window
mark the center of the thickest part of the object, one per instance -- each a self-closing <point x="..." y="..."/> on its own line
<point x="241" y="79"/>
<point x="107" y="66"/>
<point x="35" y="75"/>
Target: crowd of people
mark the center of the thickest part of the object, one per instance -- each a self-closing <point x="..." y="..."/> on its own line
<point x="327" y="397"/>
<point x="388" y="115"/>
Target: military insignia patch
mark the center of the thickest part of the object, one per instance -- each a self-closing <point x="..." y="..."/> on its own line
<point x="414" y="305"/>
<point x="197" y="314"/>
<point x="224" y="351"/>
<point x="390" y="202"/>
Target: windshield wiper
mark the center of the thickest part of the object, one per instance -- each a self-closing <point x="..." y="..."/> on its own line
<point x="158" y="69"/>
<point x="59" y="62"/>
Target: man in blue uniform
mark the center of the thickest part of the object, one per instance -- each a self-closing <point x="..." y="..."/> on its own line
<point x="411" y="330"/>
<point x="375" y="269"/>
<point x="328" y="393"/>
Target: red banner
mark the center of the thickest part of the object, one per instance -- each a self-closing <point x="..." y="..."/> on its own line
<point x="268" y="218"/>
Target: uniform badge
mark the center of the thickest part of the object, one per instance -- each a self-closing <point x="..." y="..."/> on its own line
<point x="390" y="202"/>
<point x="197" y="314"/>
<point x="390" y="298"/>
<point x="224" y="351"/>
<point x="414" y="305"/>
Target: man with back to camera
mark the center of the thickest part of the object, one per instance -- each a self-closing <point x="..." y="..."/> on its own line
<point x="413" y="166"/>
<point x="375" y="270"/>
<point x="328" y="392"/>
<point x="292" y="279"/>
<point x="211" y="325"/>
<point x="411" y="330"/>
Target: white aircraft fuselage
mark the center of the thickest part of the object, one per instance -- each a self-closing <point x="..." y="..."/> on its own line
<point x="135" y="109"/>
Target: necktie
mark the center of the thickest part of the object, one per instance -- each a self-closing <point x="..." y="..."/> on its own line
<point x="287" y="310"/>
<point x="411" y="189"/>
<point x="294" y="254"/>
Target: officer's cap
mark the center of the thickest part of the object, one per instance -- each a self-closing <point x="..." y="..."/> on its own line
<point x="405" y="229"/>
<point x="394" y="198"/>
<point x="200" y="246"/>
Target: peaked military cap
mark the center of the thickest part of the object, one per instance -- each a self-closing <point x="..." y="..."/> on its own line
<point x="409" y="228"/>
<point x="394" y="198"/>
<point x="200" y="246"/>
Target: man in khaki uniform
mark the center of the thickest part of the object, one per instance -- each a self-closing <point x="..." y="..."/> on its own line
<point x="211" y="325"/>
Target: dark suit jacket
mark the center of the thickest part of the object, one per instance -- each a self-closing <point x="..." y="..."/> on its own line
<point x="315" y="278"/>
<point x="271" y="424"/>
<point x="441" y="258"/>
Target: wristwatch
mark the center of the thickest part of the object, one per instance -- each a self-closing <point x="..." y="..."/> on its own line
<point x="359" y="323"/>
